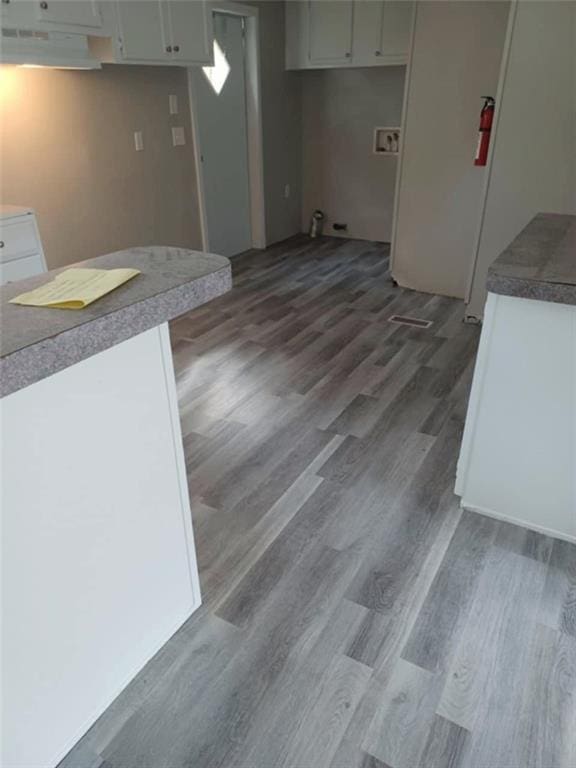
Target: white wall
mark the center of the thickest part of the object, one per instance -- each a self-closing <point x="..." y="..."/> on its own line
<point x="340" y="174"/>
<point x="456" y="60"/>
<point x="533" y="163"/>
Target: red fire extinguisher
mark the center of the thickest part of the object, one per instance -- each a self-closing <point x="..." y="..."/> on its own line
<point x="486" y="119"/>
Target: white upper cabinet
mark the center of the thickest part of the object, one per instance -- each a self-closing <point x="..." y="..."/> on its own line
<point x="142" y="31"/>
<point x="82" y="16"/>
<point x="382" y="32"/>
<point x="191" y="31"/>
<point x="396" y="29"/>
<point x="361" y="33"/>
<point x="176" y="32"/>
<point x="367" y="39"/>
<point x="330" y="31"/>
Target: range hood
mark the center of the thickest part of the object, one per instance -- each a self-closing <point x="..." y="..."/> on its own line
<point x="29" y="47"/>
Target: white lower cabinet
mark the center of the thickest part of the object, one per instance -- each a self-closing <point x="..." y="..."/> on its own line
<point x="175" y="32"/>
<point x="97" y="558"/>
<point x="518" y="459"/>
<point x="363" y="33"/>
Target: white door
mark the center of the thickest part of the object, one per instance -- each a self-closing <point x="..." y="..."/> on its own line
<point x="220" y="104"/>
<point x="143" y="30"/>
<point x="330" y="31"/>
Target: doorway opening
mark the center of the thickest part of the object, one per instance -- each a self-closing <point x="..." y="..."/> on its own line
<point x="227" y="125"/>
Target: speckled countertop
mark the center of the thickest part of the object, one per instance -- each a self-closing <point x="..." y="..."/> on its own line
<point x="38" y="342"/>
<point x="540" y="263"/>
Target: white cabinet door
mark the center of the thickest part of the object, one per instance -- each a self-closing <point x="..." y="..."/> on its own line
<point x="396" y="29"/>
<point x="330" y="31"/>
<point x="191" y="31"/>
<point x="143" y="30"/>
<point x="381" y="32"/>
<point x="337" y="33"/>
<point x="14" y="13"/>
<point x="70" y="13"/>
<point x="368" y="18"/>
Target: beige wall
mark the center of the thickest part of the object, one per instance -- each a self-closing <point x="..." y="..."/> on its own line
<point x="67" y="150"/>
<point x="341" y="175"/>
<point x="456" y="60"/>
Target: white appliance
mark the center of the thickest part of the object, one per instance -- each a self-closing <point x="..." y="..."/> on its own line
<point x="21" y="252"/>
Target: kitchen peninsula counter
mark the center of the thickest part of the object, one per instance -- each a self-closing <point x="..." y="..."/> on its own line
<point x="36" y="342"/>
<point x="98" y="559"/>
<point x="540" y="263"/>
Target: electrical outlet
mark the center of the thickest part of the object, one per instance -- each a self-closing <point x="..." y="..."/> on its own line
<point x="173" y="104"/>
<point x="178" y="136"/>
<point x="287" y="191"/>
<point x="138" y="141"/>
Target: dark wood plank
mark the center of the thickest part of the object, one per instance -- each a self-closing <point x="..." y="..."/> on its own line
<point x="446" y="746"/>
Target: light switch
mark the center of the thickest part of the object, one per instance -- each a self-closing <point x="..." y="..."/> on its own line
<point x="178" y="136"/>
<point x="173" y="103"/>
<point x="138" y="141"/>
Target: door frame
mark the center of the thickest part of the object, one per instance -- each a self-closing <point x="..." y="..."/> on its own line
<point x="253" y="126"/>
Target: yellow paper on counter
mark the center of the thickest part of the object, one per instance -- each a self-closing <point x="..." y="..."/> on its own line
<point x="76" y="288"/>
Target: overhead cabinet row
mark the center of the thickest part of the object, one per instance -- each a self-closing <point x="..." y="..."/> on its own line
<point x="156" y="31"/>
<point x="175" y="32"/>
<point x="347" y="33"/>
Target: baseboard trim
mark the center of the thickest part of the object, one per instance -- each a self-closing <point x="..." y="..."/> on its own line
<point x="515" y="521"/>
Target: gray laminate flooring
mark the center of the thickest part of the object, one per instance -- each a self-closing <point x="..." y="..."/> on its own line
<point x="354" y="616"/>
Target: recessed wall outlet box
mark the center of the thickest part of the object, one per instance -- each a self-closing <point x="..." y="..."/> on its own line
<point x="173" y="104"/>
<point x="339" y="227"/>
<point x="178" y="136"/>
<point x="138" y="141"/>
<point x="386" y="141"/>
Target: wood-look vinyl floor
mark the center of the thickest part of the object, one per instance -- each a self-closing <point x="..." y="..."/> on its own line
<point x="354" y="616"/>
